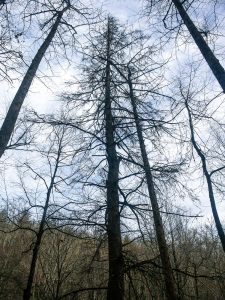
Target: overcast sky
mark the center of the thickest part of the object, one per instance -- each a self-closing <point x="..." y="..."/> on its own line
<point x="43" y="93"/>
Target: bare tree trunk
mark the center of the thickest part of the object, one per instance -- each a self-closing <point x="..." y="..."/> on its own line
<point x="27" y="292"/>
<point x="207" y="53"/>
<point x="163" y="248"/>
<point x="14" y="109"/>
<point x="207" y="175"/>
<point x="116" y="265"/>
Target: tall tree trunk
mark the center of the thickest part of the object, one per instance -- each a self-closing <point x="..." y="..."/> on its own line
<point x="160" y="234"/>
<point x="207" y="175"/>
<point x="14" y="109"/>
<point x="207" y="53"/>
<point x="116" y="265"/>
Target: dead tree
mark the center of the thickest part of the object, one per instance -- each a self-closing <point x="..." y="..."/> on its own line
<point x="96" y="100"/>
<point x="161" y="239"/>
<point x="163" y="248"/>
<point x="181" y="8"/>
<point x="15" y="107"/>
<point x="207" y="53"/>
<point x="57" y="19"/>
<point x="116" y="282"/>
<point x="51" y="173"/>
<point x="205" y="170"/>
<point x="42" y="225"/>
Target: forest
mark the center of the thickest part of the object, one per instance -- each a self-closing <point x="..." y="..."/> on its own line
<point x="112" y="150"/>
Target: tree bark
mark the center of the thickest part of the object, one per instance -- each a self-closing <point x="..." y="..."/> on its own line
<point x="207" y="53"/>
<point x="116" y="263"/>
<point x="14" y="109"/>
<point x="160" y="234"/>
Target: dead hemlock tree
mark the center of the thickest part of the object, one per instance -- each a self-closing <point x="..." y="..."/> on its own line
<point x="56" y="19"/>
<point x="111" y="42"/>
<point x="99" y="104"/>
<point x="186" y="95"/>
<point x="198" y="35"/>
<point x="120" y="125"/>
<point x="117" y="134"/>
<point x="219" y="72"/>
<point x="134" y="74"/>
<point x="163" y="248"/>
